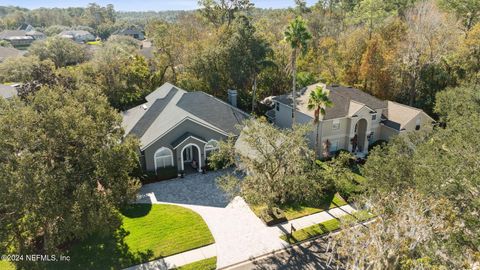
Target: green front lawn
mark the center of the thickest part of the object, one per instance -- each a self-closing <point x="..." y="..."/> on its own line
<point x="323" y="228"/>
<point x="293" y="211"/>
<point x="166" y="230"/>
<point x="148" y="232"/>
<point x="207" y="264"/>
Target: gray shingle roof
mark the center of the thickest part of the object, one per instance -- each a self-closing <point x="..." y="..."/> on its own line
<point x="152" y="113"/>
<point x="359" y="96"/>
<point x="169" y="106"/>
<point x="180" y="139"/>
<point x="340" y="97"/>
<point x="212" y="110"/>
<point x="6" y="34"/>
<point x="9" y="52"/>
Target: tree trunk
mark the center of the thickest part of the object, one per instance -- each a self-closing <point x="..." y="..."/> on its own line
<point x="174" y="74"/>
<point x="294" y="85"/>
<point x="254" y="92"/>
<point x="316" y="140"/>
<point x="412" y="90"/>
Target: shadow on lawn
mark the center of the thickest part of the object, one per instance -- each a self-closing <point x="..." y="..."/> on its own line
<point x="102" y="252"/>
<point x="137" y="210"/>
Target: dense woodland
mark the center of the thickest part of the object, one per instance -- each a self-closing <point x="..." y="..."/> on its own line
<point x="65" y="127"/>
<point x="400" y="50"/>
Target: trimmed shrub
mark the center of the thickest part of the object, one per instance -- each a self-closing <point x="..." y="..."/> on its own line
<point x="377" y="143"/>
<point x="276" y="217"/>
<point x="162" y="174"/>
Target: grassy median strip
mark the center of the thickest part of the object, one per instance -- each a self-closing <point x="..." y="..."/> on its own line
<point x="323" y="228"/>
<point x="207" y="264"/>
<point x="293" y="211"/>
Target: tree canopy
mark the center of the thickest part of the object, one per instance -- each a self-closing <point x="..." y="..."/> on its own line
<point x="65" y="169"/>
<point x="276" y="165"/>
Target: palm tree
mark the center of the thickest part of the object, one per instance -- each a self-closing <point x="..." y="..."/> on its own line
<point x="318" y="101"/>
<point x="297" y="36"/>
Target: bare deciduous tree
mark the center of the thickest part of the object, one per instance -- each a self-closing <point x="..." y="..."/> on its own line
<point x="429" y="38"/>
<point x="410" y="231"/>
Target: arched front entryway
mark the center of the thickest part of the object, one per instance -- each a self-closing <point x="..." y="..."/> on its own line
<point x="361" y="135"/>
<point x="191" y="154"/>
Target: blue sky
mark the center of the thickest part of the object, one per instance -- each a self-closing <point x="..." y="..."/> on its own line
<point x="139" y="4"/>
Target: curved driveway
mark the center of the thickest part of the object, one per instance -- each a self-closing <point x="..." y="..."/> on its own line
<point x="239" y="234"/>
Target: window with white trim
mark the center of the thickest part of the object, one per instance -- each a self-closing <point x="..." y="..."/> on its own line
<point x="163" y="158"/>
<point x="417" y="124"/>
<point x="336" y="124"/>
<point x="374" y="117"/>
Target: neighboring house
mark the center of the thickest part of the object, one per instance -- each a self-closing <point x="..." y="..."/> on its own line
<point x="179" y="129"/>
<point x="21" y="37"/>
<point x="356" y="119"/>
<point x="6" y="52"/>
<point x="80" y="36"/>
<point x="131" y="32"/>
<point x="7" y="91"/>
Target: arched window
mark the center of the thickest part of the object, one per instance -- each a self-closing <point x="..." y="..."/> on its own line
<point x="163" y="158"/>
<point x="210" y="146"/>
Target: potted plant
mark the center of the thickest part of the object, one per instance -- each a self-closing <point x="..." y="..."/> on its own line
<point x="204" y="169"/>
<point x="182" y="174"/>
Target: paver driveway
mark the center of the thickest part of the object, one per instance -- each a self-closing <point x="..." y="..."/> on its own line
<point x="239" y="234"/>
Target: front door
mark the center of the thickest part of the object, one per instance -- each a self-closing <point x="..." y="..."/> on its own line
<point x="188" y="154"/>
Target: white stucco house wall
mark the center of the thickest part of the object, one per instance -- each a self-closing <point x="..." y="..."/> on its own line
<point x="356" y="119"/>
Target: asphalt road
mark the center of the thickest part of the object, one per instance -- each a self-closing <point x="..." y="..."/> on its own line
<point x="309" y="255"/>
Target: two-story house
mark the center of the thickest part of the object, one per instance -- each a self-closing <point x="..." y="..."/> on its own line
<point x="355" y="120"/>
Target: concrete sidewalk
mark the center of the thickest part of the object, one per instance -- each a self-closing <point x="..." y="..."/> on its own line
<point x="320" y="217"/>
<point x="178" y="259"/>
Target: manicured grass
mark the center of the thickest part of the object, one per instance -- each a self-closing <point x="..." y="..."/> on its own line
<point x="297" y="211"/>
<point x="322" y="228"/>
<point x="359" y="179"/>
<point x="148" y="232"/>
<point x="293" y="211"/>
<point x="207" y="264"/>
<point x="166" y="230"/>
<point x="4" y="265"/>
<point x="312" y="231"/>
